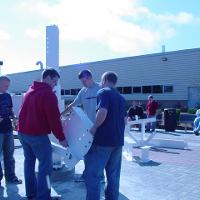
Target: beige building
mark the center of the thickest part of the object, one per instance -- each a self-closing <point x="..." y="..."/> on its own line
<point x="171" y="77"/>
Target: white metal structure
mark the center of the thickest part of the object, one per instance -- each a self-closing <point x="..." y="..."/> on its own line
<point x="76" y="129"/>
<point x="142" y="141"/>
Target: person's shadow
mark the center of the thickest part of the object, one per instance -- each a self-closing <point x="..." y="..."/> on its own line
<point x="122" y="197"/>
<point x="12" y="192"/>
<point x="1" y="192"/>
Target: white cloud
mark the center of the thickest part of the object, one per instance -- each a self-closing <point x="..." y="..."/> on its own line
<point x="185" y="18"/>
<point x="33" y="33"/>
<point x="180" y="18"/>
<point x="4" y="35"/>
<point x="115" y="23"/>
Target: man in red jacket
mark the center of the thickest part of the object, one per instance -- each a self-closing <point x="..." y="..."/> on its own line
<point x="151" y="109"/>
<point x="38" y="117"/>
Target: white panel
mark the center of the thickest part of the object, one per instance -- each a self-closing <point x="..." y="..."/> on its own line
<point x="76" y="129"/>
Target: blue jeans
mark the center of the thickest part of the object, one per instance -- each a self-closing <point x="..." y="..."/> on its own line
<point x="100" y="158"/>
<point x="151" y="125"/>
<point x="37" y="147"/>
<point x="6" y="153"/>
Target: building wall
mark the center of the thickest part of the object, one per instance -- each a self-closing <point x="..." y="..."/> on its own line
<point x="20" y="82"/>
<point x="180" y="69"/>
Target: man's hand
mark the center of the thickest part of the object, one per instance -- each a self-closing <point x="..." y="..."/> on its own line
<point x="1" y="119"/>
<point x="63" y="143"/>
<point x="67" y="110"/>
<point x="93" y="130"/>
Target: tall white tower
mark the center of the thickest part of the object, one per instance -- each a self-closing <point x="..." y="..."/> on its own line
<point x="52" y="61"/>
<point x="52" y="56"/>
<point x="52" y="46"/>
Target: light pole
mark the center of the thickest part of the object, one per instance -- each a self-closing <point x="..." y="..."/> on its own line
<point x="1" y="63"/>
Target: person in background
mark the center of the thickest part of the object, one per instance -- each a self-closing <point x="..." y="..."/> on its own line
<point x="106" y="150"/>
<point x="87" y="99"/>
<point x="196" y="127"/>
<point x="38" y="117"/>
<point x="6" y="133"/>
<point x="151" y="108"/>
<point x="135" y="111"/>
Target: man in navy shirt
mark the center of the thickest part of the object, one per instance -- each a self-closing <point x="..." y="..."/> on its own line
<point x="6" y="133"/>
<point x="108" y="131"/>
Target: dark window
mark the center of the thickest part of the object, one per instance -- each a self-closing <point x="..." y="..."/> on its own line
<point x="146" y="89"/>
<point x="168" y="88"/>
<point x="77" y="90"/>
<point x="127" y="90"/>
<point x="62" y="92"/>
<point x="74" y="91"/>
<point x="137" y="89"/>
<point x="157" y="88"/>
<point x="67" y="92"/>
<point x="120" y="89"/>
<point x="18" y="93"/>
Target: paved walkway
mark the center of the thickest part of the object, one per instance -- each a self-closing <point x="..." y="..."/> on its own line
<point x="173" y="174"/>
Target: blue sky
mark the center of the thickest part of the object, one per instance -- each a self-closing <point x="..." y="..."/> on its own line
<point x="92" y="30"/>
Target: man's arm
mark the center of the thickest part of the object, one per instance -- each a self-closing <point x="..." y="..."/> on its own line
<point x="76" y="101"/>
<point x="11" y="111"/>
<point x="68" y="108"/>
<point x="53" y="118"/>
<point x="100" y="117"/>
<point x="197" y="127"/>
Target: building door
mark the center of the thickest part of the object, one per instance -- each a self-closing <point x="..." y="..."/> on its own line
<point x="193" y="97"/>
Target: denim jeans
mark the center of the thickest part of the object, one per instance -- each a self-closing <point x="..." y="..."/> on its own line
<point x="37" y="147"/>
<point x="6" y="153"/>
<point x="83" y="174"/>
<point x="151" y="125"/>
<point x="100" y="158"/>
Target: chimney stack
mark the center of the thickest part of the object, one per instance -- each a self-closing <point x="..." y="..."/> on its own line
<point x="163" y="48"/>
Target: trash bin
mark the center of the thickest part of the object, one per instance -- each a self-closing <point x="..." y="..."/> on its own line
<point x="170" y="119"/>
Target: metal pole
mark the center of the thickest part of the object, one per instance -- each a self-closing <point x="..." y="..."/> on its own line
<point x="1" y="63"/>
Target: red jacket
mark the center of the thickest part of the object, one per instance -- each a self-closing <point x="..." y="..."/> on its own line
<point x="151" y="107"/>
<point x="39" y="114"/>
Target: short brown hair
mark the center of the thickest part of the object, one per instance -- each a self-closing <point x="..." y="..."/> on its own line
<point x="110" y="77"/>
<point x="85" y="73"/>
<point x="4" y="78"/>
<point x="50" y="72"/>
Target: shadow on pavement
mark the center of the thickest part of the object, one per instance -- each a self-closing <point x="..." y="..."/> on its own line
<point x="163" y="150"/>
<point x="145" y="164"/>
<point x="122" y="197"/>
<point x="10" y="192"/>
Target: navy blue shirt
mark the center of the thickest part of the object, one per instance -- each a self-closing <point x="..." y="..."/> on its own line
<point x="111" y="131"/>
<point x="6" y="113"/>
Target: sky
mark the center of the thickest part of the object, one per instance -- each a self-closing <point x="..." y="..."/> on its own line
<point x="94" y="30"/>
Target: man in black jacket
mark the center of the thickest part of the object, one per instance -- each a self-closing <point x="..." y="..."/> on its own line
<point x="6" y="133"/>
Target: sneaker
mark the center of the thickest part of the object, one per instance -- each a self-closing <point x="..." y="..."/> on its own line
<point x="14" y="181"/>
<point x="55" y="198"/>
<point x="196" y="133"/>
<point x="30" y="197"/>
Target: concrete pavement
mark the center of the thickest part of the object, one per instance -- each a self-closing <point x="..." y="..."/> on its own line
<point x="172" y="174"/>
